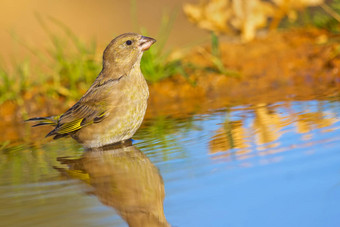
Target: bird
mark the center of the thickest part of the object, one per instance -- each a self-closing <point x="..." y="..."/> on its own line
<point x="113" y="108"/>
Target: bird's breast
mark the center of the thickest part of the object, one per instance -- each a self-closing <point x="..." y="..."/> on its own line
<point x="135" y="86"/>
<point x="125" y="115"/>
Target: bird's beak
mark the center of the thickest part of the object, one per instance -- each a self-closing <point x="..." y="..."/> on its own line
<point x="146" y="42"/>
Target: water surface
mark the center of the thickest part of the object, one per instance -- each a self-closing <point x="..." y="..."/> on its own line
<point x="257" y="165"/>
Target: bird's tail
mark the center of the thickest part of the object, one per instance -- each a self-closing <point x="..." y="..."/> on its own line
<point x="53" y="120"/>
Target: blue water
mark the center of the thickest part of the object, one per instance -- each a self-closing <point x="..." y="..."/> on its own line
<point x="263" y="165"/>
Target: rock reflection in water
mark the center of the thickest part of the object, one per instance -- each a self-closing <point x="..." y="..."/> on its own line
<point x="124" y="178"/>
<point x="260" y="127"/>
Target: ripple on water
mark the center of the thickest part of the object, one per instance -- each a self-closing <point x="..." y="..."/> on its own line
<point x="266" y="164"/>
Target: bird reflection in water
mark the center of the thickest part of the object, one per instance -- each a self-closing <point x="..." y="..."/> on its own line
<point x="122" y="177"/>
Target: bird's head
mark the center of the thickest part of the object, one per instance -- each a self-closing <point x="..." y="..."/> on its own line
<point x="126" y="50"/>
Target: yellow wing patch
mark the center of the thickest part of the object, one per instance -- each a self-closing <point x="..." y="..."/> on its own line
<point x="70" y="126"/>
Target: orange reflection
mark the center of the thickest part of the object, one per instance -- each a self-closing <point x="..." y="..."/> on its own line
<point x="231" y="135"/>
<point x="265" y="130"/>
<point x="267" y="125"/>
<point x="309" y="121"/>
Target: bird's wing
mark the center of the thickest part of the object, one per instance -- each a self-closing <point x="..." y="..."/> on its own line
<point x="91" y="108"/>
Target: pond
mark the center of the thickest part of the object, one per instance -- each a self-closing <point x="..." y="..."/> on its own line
<point x="267" y="164"/>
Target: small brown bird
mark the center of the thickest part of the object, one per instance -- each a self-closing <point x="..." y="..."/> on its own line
<point x="114" y="106"/>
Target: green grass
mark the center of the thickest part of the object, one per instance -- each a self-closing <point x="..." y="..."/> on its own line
<point x="14" y="82"/>
<point x="68" y="66"/>
<point x="156" y="67"/>
<point x="326" y="16"/>
<point x="71" y="61"/>
<point x="216" y="60"/>
<point x="156" y="64"/>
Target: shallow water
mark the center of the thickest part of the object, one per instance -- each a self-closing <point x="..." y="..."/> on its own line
<point x="261" y="165"/>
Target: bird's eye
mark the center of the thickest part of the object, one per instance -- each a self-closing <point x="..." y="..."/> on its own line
<point x="129" y="42"/>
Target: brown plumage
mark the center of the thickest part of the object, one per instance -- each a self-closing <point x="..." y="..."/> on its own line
<point x="114" y="106"/>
